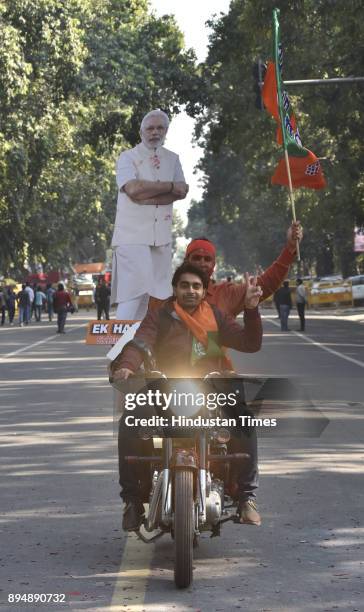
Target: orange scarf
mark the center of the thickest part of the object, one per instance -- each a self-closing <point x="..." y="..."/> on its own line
<point x="200" y="322"/>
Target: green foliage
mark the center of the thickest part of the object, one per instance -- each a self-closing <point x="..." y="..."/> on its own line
<point x="76" y="77"/>
<point x="177" y="229"/>
<point x="242" y="211"/>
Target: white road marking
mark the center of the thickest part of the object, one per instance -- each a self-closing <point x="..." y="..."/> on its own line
<point x="56" y="381"/>
<point x="320" y="345"/>
<point x="26" y="348"/>
<point x="48" y="359"/>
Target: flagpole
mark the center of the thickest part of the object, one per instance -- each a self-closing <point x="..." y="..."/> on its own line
<point x="279" y="92"/>
<point x="291" y="197"/>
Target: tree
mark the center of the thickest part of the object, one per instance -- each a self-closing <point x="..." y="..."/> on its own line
<point x="244" y="213"/>
<point x="76" y="76"/>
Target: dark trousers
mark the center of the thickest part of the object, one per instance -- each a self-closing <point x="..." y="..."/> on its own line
<point x="301" y="314"/>
<point x="135" y="479"/>
<point x="61" y="318"/>
<point x="11" y="313"/>
<point x="38" y="313"/>
<point x="103" y="308"/>
<point x="50" y="311"/>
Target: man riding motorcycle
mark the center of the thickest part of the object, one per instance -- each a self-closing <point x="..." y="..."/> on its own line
<point x="187" y="337"/>
<point x="229" y="298"/>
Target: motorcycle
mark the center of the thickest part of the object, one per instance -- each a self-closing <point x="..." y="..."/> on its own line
<point x="193" y="481"/>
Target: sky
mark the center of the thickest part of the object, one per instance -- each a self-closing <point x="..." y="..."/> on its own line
<point x="191" y="17"/>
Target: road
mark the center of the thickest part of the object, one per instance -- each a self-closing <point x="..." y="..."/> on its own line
<point x="60" y="524"/>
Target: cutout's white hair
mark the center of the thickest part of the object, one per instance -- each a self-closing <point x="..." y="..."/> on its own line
<point x="155" y="113"/>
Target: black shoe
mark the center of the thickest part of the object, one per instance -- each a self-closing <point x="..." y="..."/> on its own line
<point x="133" y="515"/>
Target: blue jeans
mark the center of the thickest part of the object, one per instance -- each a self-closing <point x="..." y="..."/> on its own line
<point x="23" y="314"/>
<point x="284" y="312"/>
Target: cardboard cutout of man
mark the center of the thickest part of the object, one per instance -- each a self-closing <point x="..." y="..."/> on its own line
<point x="149" y="178"/>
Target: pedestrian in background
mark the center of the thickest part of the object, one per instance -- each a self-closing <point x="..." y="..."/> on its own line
<point x="62" y="303"/>
<point x="31" y="300"/>
<point x="10" y="303"/>
<point x="76" y="294"/>
<point x="301" y="301"/>
<point x="23" y="298"/>
<point x="284" y="300"/>
<point x="276" y="303"/>
<point x="2" y="304"/>
<point x="102" y="299"/>
<point x="50" y="297"/>
<point x="33" y="306"/>
<point x="39" y="300"/>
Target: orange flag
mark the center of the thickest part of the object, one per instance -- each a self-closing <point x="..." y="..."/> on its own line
<point x="304" y="165"/>
<point x="305" y="172"/>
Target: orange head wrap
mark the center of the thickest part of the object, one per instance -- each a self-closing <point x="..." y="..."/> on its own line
<point x="200" y="243"/>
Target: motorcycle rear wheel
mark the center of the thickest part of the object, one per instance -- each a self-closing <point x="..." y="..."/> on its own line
<point x="183" y="527"/>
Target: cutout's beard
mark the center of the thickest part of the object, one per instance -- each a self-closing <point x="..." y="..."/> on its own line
<point x="153" y="146"/>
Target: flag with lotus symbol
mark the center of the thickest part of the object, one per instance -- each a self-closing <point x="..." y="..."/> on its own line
<point x="305" y="167"/>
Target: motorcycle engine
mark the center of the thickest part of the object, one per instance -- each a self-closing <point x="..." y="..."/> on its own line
<point x="214" y="502"/>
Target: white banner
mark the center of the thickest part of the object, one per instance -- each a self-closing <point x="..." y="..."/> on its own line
<point x="359" y="239"/>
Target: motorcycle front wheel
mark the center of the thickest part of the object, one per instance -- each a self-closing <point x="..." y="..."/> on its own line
<point x="183" y="527"/>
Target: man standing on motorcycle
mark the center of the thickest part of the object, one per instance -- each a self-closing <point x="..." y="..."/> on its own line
<point x="228" y="296"/>
<point x="187" y="337"/>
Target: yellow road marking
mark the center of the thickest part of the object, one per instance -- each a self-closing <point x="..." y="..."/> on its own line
<point x="133" y="575"/>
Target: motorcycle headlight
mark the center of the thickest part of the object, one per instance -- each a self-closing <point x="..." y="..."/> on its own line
<point x="185" y="394"/>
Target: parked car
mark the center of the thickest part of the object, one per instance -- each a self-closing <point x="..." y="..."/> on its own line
<point x="330" y="290"/>
<point x="83" y="289"/>
<point x="357" y="284"/>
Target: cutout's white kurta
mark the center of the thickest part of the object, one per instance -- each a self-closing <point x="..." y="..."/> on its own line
<point x="142" y="234"/>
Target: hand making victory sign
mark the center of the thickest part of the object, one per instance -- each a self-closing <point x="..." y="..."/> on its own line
<point x="253" y="292"/>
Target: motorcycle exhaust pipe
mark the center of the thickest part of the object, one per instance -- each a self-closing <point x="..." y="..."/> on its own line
<point x="230" y="457"/>
<point x="137" y="459"/>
